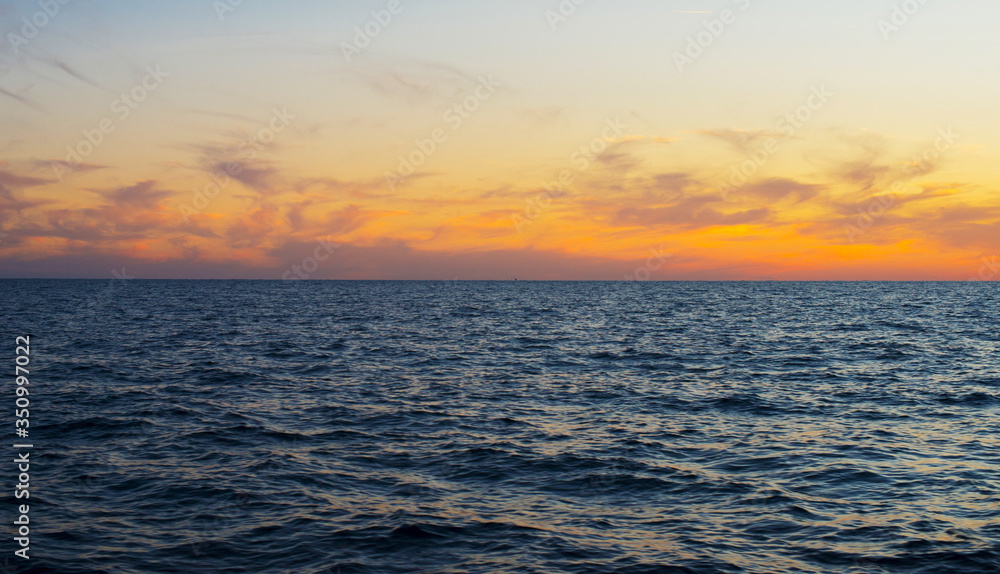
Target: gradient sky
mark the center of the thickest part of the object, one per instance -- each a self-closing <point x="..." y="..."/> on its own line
<point x="892" y="173"/>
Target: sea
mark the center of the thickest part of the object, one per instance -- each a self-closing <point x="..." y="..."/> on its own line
<point x="383" y="427"/>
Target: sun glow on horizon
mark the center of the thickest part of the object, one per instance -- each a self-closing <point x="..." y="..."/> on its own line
<point x="442" y="140"/>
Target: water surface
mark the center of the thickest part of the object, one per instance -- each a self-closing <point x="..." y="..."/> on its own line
<point x="479" y="427"/>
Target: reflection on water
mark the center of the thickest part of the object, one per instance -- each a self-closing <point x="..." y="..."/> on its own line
<point x="514" y="427"/>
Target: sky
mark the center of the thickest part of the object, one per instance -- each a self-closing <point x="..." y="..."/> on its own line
<point x="544" y="139"/>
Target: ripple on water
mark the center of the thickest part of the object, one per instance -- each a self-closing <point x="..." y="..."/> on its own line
<point x="384" y="427"/>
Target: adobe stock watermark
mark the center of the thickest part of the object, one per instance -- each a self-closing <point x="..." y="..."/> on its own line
<point x="714" y="28"/>
<point x="122" y="107"/>
<point x="31" y="26"/>
<point x="563" y="12"/>
<point x="223" y="7"/>
<point x="653" y="263"/>
<point x="309" y="265"/>
<point x="988" y="271"/>
<point x="247" y="150"/>
<point x="880" y="205"/>
<point x="900" y="17"/>
<point x="601" y="483"/>
<point x="789" y="124"/>
<point x="581" y="160"/>
<point x="103" y="299"/>
<point x="363" y="35"/>
<point x="214" y="525"/>
<point x="455" y="117"/>
<point x="93" y="312"/>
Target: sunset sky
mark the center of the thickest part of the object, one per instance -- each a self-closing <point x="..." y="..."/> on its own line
<point x="669" y="139"/>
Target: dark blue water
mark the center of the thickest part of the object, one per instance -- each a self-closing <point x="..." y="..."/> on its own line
<point x="383" y="427"/>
